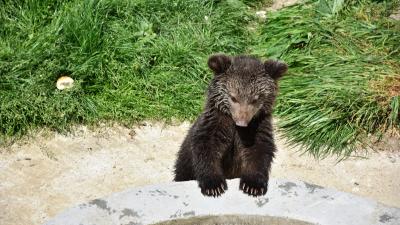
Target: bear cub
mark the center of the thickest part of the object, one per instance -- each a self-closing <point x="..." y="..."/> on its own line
<point x="233" y="137"/>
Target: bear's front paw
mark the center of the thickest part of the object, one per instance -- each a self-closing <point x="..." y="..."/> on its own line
<point x="212" y="186"/>
<point x="255" y="185"/>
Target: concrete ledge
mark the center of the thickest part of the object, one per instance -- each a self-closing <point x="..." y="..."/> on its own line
<point x="285" y="199"/>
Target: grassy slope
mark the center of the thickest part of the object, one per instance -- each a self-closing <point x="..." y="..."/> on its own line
<point x="143" y="59"/>
<point x="344" y="68"/>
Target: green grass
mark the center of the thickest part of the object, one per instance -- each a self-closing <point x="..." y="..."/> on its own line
<point x="146" y="59"/>
<point x="131" y="60"/>
<point x="344" y="59"/>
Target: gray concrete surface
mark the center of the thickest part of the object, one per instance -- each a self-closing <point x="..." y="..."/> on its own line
<point x="286" y="199"/>
<point x="233" y="220"/>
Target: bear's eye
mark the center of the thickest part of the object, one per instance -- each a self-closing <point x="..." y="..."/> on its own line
<point x="254" y="100"/>
<point x="233" y="99"/>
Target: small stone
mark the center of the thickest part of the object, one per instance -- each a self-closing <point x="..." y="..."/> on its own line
<point x="395" y="15"/>
<point x="356" y="189"/>
<point x="25" y="158"/>
<point x="64" y="82"/>
<point x="261" y="14"/>
<point x="132" y="133"/>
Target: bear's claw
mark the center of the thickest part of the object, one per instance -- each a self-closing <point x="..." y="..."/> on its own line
<point x="213" y="186"/>
<point x="254" y="185"/>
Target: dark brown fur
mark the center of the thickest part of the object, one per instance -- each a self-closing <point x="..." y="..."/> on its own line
<point x="233" y="137"/>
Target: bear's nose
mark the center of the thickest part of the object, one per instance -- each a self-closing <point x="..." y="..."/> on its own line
<point x="241" y="123"/>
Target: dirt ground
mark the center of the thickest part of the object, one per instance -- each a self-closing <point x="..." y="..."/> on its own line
<point x="47" y="174"/>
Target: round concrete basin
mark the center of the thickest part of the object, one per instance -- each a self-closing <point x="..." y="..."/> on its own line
<point x="286" y="202"/>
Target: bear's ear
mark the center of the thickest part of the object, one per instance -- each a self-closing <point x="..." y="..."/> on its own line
<point x="219" y="63"/>
<point x="275" y="69"/>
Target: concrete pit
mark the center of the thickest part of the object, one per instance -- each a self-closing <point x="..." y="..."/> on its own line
<point x="286" y="202"/>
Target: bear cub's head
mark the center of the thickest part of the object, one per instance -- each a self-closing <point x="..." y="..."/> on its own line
<point x="243" y="86"/>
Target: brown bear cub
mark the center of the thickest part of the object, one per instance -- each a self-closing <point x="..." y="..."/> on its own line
<point x="233" y="137"/>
